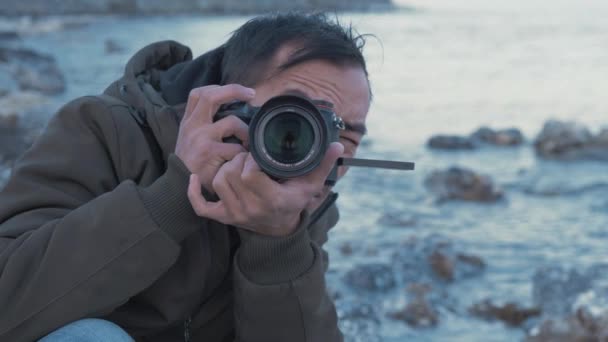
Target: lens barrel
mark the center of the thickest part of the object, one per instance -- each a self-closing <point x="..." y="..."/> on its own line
<point x="289" y="136"/>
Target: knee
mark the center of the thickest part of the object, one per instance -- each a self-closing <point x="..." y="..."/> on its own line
<point x="88" y="330"/>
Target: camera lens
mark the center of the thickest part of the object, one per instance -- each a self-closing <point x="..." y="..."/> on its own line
<point x="288" y="138"/>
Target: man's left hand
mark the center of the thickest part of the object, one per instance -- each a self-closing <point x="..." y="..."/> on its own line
<point x="251" y="200"/>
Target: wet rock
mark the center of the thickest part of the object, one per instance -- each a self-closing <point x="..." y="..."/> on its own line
<point x="371" y="277"/>
<point x="435" y="259"/>
<point x="574" y="304"/>
<point x="33" y="71"/>
<point x="450" y="142"/>
<point x="418" y="312"/>
<point x="111" y="47"/>
<point x="502" y="137"/>
<point x="510" y="313"/>
<point x="462" y="184"/>
<point x="46" y="7"/>
<point x="570" y="141"/>
<point x="8" y="35"/>
<point x="395" y="220"/>
<point x="442" y="265"/>
<point x="578" y="327"/>
<point x="483" y="135"/>
<point x="346" y="249"/>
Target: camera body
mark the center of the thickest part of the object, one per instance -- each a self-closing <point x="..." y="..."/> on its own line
<point x="289" y="134"/>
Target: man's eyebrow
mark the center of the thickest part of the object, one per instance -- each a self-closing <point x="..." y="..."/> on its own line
<point x="356" y="127"/>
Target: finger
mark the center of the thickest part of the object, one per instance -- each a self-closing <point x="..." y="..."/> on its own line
<point x="227" y="195"/>
<point x="229" y="178"/>
<point x="226" y="151"/>
<point x="212" y="210"/>
<point x="194" y="97"/>
<point x="320" y="173"/>
<point x="211" y="99"/>
<point x="232" y="126"/>
<point x="255" y="179"/>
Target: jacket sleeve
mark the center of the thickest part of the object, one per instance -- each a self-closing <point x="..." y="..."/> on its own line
<point x="279" y="285"/>
<point x="75" y="240"/>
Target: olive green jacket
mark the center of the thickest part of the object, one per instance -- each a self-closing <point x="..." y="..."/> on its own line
<point x="95" y="222"/>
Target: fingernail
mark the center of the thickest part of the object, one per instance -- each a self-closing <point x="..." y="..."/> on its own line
<point x="251" y="92"/>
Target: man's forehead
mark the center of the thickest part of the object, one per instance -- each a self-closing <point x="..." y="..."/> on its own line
<point x="350" y="124"/>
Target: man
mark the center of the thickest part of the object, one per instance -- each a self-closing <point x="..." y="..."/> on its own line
<point x="130" y="215"/>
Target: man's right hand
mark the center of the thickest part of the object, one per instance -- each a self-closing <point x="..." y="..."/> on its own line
<point x="199" y="141"/>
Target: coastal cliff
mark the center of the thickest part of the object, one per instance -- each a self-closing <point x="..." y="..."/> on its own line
<point x="155" y="7"/>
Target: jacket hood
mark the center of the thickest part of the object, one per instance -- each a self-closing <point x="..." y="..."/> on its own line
<point x="156" y="84"/>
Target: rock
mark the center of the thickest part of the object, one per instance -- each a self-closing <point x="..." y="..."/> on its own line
<point x="8" y="35"/>
<point x="435" y="259"/>
<point x="502" y="137"/>
<point x="442" y="265"/>
<point x="394" y="220"/>
<point x="574" y="304"/>
<point x="371" y="277"/>
<point x="46" y="7"/>
<point x="34" y="71"/>
<point x="570" y="141"/>
<point x="450" y="142"/>
<point x="112" y="46"/>
<point x="346" y="249"/>
<point x="484" y="135"/>
<point x="418" y="312"/>
<point x="577" y="327"/>
<point x="510" y="313"/>
<point x="462" y="184"/>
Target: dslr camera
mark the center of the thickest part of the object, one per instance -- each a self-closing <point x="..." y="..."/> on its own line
<point x="289" y="135"/>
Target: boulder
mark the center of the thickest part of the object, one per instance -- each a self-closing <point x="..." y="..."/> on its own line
<point x="502" y="137"/>
<point x="419" y="311"/>
<point x="450" y="142"/>
<point x="570" y="141"/>
<point x="510" y="313"/>
<point x="46" y="7"/>
<point x="580" y="326"/>
<point x="482" y="136"/>
<point x="574" y="304"/>
<point x="435" y="260"/>
<point x="33" y="71"/>
<point x="457" y="183"/>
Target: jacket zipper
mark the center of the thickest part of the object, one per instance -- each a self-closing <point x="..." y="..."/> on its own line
<point x="187" y="323"/>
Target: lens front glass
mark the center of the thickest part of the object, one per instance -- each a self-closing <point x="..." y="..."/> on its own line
<point x="288" y="137"/>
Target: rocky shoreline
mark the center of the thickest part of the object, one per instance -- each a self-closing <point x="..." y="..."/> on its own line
<point x="159" y="7"/>
<point x="426" y="270"/>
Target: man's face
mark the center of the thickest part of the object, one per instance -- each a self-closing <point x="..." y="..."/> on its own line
<point x="346" y="88"/>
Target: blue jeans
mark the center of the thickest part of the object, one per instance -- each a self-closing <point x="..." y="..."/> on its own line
<point x="88" y="330"/>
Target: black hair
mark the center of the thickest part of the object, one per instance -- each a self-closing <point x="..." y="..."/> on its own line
<point x="251" y="48"/>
